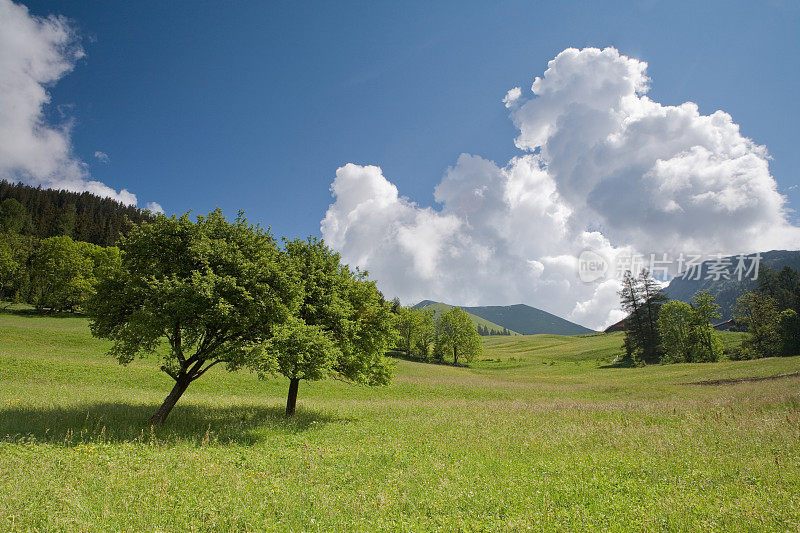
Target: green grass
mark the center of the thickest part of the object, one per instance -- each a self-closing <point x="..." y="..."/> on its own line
<point x="539" y="434"/>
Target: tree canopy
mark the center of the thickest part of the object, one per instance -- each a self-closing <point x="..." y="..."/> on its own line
<point x="770" y="314"/>
<point x="456" y="335"/>
<point x="342" y="327"/>
<point x="212" y="290"/>
<point x="416" y="330"/>
<point x="686" y="332"/>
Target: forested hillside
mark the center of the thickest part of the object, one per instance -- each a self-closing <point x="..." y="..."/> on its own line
<point x="727" y="291"/>
<point x="46" y="213"/>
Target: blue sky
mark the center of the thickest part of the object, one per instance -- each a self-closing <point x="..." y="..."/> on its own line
<point x="255" y="105"/>
<point x="413" y="137"/>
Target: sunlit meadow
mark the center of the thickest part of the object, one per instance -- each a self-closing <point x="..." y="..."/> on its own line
<point x="538" y="434"/>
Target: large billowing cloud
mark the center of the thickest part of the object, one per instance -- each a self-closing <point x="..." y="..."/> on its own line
<point x="605" y="169"/>
<point x="34" y="54"/>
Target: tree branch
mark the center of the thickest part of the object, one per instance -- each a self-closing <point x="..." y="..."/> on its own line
<point x="171" y="374"/>
<point x="177" y="345"/>
<point x="206" y="368"/>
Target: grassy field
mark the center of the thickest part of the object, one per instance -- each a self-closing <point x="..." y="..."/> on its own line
<point x="538" y="434"/>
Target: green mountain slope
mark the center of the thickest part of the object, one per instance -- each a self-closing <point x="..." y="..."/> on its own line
<point x="438" y="307"/>
<point x="521" y="318"/>
<point x="728" y="291"/>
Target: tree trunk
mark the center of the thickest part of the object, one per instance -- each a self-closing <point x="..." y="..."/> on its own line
<point x="177" y="391"/>
<point x="455" y="356"/>
<point x="291" y="400"/>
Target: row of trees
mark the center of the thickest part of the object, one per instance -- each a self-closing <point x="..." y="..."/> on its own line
<point x="208" y="291"/>
<point x="659" y="330"/>
<point x="451" y="336"/>
<point x="771" y="315"/>
<point x="43" y="213"/>
<point x="200" y="293"/>
<point x="54" y="274"/>
<point x="484" y="331"/>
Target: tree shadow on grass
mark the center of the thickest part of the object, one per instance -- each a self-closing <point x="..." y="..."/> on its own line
<point x="123" y="422"/>
<point x="31" y="312"/>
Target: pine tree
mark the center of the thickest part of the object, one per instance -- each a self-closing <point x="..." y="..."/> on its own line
<point x="642" y="298"/>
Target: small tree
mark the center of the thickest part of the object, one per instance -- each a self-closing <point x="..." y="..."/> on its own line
<point x="407" y="324"/>
<point x="759" y="313"/>
<point x="456" y="334"/>
<point x="642" y="298"/>
<point x="675" y="328"/>
<point x="415" y="329"/>
<point x="426" y="334"/>
<point x="343" y="320"/>
<point x="299" y="351"/>
<point x="61" y="274"/>
<point x="212" y="289"/>
<point x="706" y="344"/>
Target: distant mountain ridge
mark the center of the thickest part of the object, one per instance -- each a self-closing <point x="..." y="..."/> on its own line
<point x="727" y="291"/>
<point x="521" y="318"/>
<point x="438" y="307"/>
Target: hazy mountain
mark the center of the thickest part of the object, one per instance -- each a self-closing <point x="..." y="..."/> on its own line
<point x="521" y="318"/>
<point x="438" y="307"/>
<point x="728" y="291"/>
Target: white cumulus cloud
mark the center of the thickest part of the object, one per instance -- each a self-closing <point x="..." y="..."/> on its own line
<point x="155" y="207"/>
<point x="34" y="54"/>
<point x="604" y="168"/>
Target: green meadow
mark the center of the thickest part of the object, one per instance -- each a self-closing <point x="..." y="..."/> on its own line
<point x="539" y="433"/>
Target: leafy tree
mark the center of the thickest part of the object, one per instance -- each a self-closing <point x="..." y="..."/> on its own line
<point x="63" y="272"/>
<point x="426" y="334"/>
<point x="789" y="332"/>
<point x="9" y="266"/>
<point x="407" y="321"/>
<point x="342" y="306"/>
<point x="212" y="289"/>
<point x="707" y="346"/>
<point x="759" y="313"/>
<point x="675" y="327"/>
<point x="299" y="351"/>
<point x="415" y="329"/>
<point x="783" y="286"/>
<point x="105" y="259"/>
<point x="642" y="298"/>
<point x="456" y="334"/>
<point x="61" y="275"/>
<point x="15" y="254"/>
